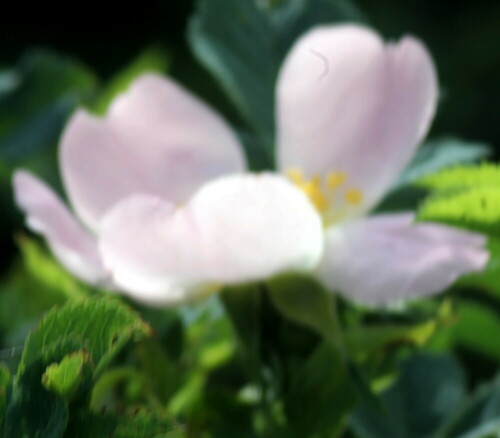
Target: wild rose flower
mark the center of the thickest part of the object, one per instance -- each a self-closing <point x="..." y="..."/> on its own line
<point x="160" y="183"/>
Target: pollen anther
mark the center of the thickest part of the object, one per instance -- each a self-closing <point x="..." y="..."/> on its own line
<point x="325" y="193"/>
<point x="353" y="196"/>
<point x="335" y="179"/>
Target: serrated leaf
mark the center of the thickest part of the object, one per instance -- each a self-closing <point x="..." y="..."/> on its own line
<point x="243" y="43"/>
<point x="34" y="412"/>
<point x="149" y="61"/>
<point x="141" y="424"/>
<point x="477" y="208"/>
<point x="429" y="389"/>
<point x="64" y="378"/>
<point x="98" y="328"/>
<point x="103" y="326"/>
<point x="462" y="177"/>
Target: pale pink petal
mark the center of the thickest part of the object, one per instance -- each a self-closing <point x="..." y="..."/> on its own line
<point x="348" y="103"/>
<point x="235" y="229"/>
<point x="72" y="245"/>
<point x="387" y="258"/>
<point x="157" y="138"/>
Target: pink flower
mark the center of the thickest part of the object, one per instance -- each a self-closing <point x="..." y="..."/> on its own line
<point x="165" y="207"/>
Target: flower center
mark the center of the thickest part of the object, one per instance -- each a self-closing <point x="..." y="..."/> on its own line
<point x="329" y="194"/>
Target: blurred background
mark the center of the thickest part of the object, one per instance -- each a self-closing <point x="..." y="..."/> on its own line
<point x="463" y="36"/>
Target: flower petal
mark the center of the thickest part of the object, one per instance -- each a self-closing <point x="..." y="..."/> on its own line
<point x="387" y="258"/>
<point x="235" y="229"/>
<point x="347" y="103"/>
<point x="73" y="246"/>
<point x="157" y="138"/>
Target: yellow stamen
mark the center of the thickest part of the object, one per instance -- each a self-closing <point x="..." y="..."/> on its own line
<point x="313" y="190"/>
<point x="322" y="192"/>
<point x="335" y="179"/>
<point x="353" y="196"/>
<point x="296" y="175"/>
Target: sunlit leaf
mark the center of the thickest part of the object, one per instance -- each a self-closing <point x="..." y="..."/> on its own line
<point x="103" y="325"/>
<point x="64" y="378"/>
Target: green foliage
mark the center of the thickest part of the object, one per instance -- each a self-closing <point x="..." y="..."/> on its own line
<point x="476" y="209"/>
<point x="466" y="196"/>
<point x="462" y="178"/>
<point x="4" y="385"/>
<point x="321" y="393"/>
<point x="61" y="360"/>
<point x="100" y="326"/>
<point x="479" y="415"/>
<point x="429" y="399"/>
<point x="247" y="67"/>
<point x="306" y="302"/>
<point x="44" y="89"/>
<point x="141" y="424"/>
<point x="433" y="156"/>
<point x="428" y="391"/>
<point x="64" y="378"/>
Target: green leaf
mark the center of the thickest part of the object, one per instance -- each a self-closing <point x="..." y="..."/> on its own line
<point x="141" y="424"/>
<point x="4" y="385"/>
<point x="243" y="43"/>
<point x="45" y="89"/>
<point x="47" y="274"/>
<point x="429" y="389"/>
<point x="64" y="378"/>
<point x="34" y="412"/>
<point x="479" y="416"/>
<point x="464" y="196"/>
<point x="438" y="154"/>
<point x="304" y="300"/>
<point x="97" y="328"/>
<point x="244" y="304"/>
<point x="320" y="395"/>
<point x="152" y="60"/>
<point x="462" y="177"/>
<point x="102" y="325"/>
<point x="362" y="341"/>
<point x="487" y="280"/>
<point x="477" y="209"/>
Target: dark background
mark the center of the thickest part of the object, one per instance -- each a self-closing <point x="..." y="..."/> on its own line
<point x="463" y="36"/>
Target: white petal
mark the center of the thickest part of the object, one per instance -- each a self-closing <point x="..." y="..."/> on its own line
<point x="73" y="246"/>
<point x="386" y="258"/>
<point x="347" y="103"/>
<point x="157" y="138"/>
<point x="235" y="229"/>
